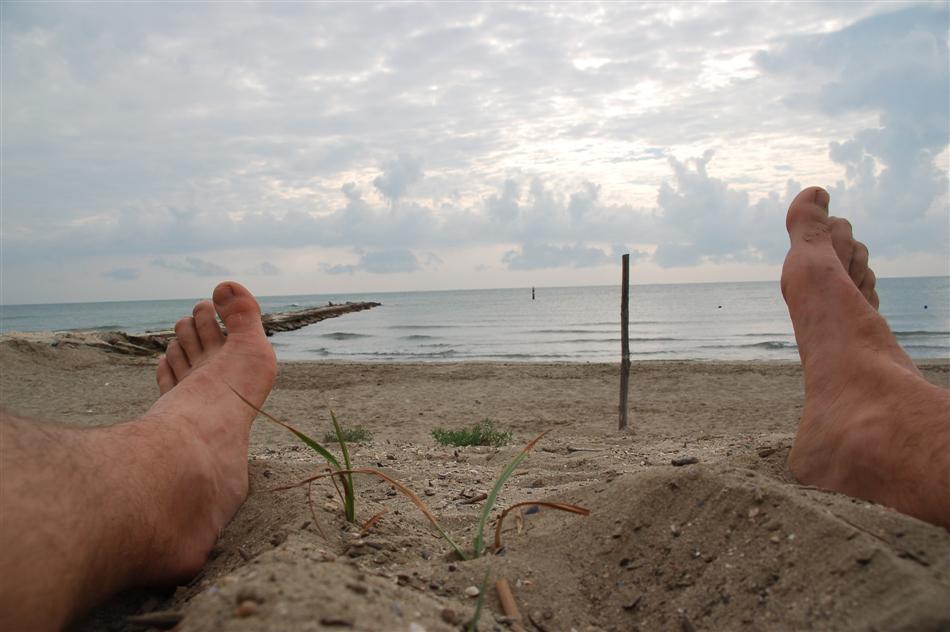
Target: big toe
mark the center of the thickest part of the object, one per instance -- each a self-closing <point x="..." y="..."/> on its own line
<point x="238" y="308"/>
<point x="807" y="212"/>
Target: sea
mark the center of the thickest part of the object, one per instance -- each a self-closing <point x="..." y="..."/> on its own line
<point x="707" y="321"/>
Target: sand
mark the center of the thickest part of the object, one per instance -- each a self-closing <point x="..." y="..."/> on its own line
<point x="730" y="542"/>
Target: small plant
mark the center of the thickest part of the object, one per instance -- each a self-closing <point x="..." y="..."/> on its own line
<point x="348" y="496"/>
<point x="350" y="435"/>
<point x="482" y="433"/>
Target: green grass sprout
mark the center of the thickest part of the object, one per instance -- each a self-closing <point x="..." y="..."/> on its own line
<point x="411" y="495"/>
<point x="473" y="623"/>
<point x="351" y="435"/>
<point x="348" y="499"/>
<point x="349" y="502"/>
<point x="502" y="479"/>
<point x="482" y="433"/>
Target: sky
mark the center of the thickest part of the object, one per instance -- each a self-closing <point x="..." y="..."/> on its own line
<point x="150" y="150"/>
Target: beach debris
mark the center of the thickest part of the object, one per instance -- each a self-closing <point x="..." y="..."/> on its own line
<point x="684" y="460"/>
<point x="450" y="616"/>
<point x="476" y="498"/>
<point x="359" y="589"/>
<point x="536" y="617"/>
<point x="416" y="627"/>
<point x="572" y="448"/>
<point x="472" y="591"/>
<point x="244" y="553"/>
<point x="633" y="603"/>
<point x="766" y="451"/>
<point x="161" y="619"/>
<point x="508" y="605"/>
<point x="246" y="608"/>
<point x="537" y="503"/>
<point x="336" y="621"/>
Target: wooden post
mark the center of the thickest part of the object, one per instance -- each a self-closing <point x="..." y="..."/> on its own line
<point x="624" y="340"/>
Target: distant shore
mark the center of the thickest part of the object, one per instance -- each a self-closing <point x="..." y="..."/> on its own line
<point x="725" y="542"/>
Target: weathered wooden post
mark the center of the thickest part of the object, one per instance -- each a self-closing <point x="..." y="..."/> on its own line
<point x="624" y="340"/>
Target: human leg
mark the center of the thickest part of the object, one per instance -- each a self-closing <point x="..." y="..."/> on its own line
<point x="89" y="511"/>
<point x="872" y="426"/>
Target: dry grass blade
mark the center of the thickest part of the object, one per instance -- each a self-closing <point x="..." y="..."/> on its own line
<point x="372" y="521"/>
<point x="536" y="503"/>
<point x="502" y="479"/>
<point x="313" y="511"/>
<point x="310" y="442"/>
<point x="411" y="495"/>
<point x="347" y="495"/>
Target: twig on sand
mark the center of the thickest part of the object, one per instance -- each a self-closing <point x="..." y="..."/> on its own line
<point x="509" y="605"/>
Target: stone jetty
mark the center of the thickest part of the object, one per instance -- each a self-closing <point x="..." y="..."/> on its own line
<point x="154" y="342"/>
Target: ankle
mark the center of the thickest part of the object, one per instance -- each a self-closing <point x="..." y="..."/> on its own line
<point x="167" y="486"/>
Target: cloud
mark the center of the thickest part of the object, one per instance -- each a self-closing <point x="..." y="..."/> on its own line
<point x="265" y="268"/>
<point x="891" y="175"/>
<point x="703" y="219"/>
<point x="122" y="274"/>
<point x="533" y="256"/>
<point x="380" y="262"/>
<point x="398" y="175"/>
<point x="192" y="265"/>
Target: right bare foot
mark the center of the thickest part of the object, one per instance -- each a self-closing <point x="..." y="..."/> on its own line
<point x="872" y="426"/>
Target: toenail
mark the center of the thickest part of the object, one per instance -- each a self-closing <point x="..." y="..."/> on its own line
<point x="822" y="198"/>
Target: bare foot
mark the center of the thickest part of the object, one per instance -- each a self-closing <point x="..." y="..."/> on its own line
<point x="872" y="426"/>
<point x="91" y="511"/>
<point x="210" y="425"/>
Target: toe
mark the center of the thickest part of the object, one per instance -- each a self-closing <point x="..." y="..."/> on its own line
<point x="867" y="287"/>
<point x="187" y="334"/>
<point x="177" y="360"/>
<point x="209" y="332"/>
<point x="859" y="263"/>
<point x="165" y="377"/>
<point x="842" y="238"/>
<point x="808" y="211"/>
<point x="238" y="309"/>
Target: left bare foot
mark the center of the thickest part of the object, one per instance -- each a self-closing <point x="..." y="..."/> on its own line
<point x="208" y="423"/>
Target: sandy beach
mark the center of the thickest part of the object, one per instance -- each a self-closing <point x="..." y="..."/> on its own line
<point x="728" y="542"/>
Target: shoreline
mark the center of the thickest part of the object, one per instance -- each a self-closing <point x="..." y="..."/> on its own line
<point x="730" y="542"/>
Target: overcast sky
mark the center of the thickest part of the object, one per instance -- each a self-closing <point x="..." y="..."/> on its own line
<point x="149" y="151"/>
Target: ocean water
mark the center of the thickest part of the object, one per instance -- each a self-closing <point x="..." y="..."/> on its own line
<point x="710" y="321"/>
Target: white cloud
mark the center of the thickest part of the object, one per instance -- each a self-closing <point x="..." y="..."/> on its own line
<point x="122" y="274"/>
<point x="193" y="266"/>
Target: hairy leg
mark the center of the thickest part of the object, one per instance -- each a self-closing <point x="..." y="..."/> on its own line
<point x="88" y="512"/>
<point x="872" y="426"/>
